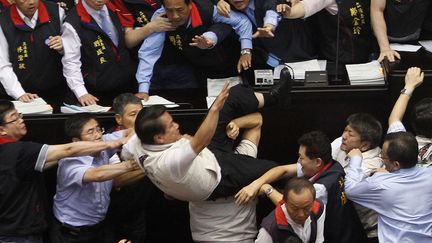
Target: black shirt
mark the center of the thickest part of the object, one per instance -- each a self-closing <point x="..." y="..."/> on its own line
<point x="22" y="191"/>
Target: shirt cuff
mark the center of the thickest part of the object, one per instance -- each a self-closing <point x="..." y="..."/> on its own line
<point x="272" y="18"/>
<point x="212" y="36"/>
<point x="41" y="160"/>
<point x="396" y="127"/>
<point x="80" y="91"/>
<point x="144" y="87"/>
<point x="246" y="44"/>
<point x="356" y="161"/>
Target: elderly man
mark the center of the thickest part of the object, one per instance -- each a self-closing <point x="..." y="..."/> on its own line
<point x="297" y="218"/>
<point x="22" y="204"/>
<point x="400" y="197"/>
<point x="29" y="33"/>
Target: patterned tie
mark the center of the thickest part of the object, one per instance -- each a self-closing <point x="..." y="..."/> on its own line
<point x="107" y="27"/>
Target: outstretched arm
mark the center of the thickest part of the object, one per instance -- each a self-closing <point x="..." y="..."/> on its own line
<point x="205" y="132"/>
<point x="413" y="78"/>
<point x="108" y="172"/>
<point x="56" y="152"/>
<point x="250" y="191"/>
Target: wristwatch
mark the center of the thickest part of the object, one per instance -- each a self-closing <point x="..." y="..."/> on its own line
<point x="245" y="51"/>
<point x="268" y="191"/>
<point x="406" y="92"/>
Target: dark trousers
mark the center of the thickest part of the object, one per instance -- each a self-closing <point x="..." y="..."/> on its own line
<point x="237" y="170"/>
<point x="63" y="233"/>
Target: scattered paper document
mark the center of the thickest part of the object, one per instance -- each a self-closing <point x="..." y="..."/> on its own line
<point x="427" y="44"/>
<point x="66" y="108"/>
<point x="158" y="100"/>
<point x="299" y="68"/>
<point x="215" y="85"/>
<point x="210" y="100"/>
<point x="370" y="73"/>
<point x="36" y="106"/>
<point x="404" y="47"/>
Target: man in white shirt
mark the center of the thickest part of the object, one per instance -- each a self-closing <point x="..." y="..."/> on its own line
<point x="29" y="33"/>
<point x="297" y="218"/>
<point x="363" y="132"/>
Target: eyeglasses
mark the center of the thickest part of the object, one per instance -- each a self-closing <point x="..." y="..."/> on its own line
<point x="95" y="130"/>
<point x="18" y="116"/>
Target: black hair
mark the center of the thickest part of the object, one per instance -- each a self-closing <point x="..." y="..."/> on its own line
<point x="422" y="118"/>
<point x="186" y="1"/>
<point x="368" y="127"/>
<point x="5" y="107"/>
<point x="74" y="124"/>
<point x="298" y="185"/>
<point x="317" y="145"/>
<point x="402" y="147"/>
<point x="147" y="123"/>
<point x="122" y="100"/>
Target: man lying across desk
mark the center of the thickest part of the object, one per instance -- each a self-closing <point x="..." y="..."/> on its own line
<point x="204" y="166"/>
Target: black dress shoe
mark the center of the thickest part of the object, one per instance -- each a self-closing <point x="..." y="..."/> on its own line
<point x="282" y="90"/>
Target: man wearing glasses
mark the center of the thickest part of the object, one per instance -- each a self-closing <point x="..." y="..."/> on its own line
<point x="401" y="196"/>
<point x="22" y="191"/>
<point x="84" y="184"/>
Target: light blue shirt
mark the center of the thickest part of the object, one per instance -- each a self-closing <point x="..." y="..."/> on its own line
<point x="271" y="17"/>
<point x="152" y="47"/>
<point x="402" y="200"/>
<point x="76" y="202"/>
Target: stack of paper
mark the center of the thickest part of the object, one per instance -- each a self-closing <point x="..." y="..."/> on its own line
<point x="404" y="47"/>
<point x="427" y="44"/>
<point x="37" y="106"/>
<point x="365" y="73"/>
<point x="299" y="68"/>
<point x="66" y="108"/>
<point x="157" y="100"/>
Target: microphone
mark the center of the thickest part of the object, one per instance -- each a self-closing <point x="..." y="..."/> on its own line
<point x="336" y="77"/>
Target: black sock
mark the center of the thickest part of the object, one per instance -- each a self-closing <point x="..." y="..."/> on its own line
<point x="269" y="100"/>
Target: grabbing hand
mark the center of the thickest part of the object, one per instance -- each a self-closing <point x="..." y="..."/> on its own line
<point x="232" y="130"/>
<point x="284" y="9"/>
<point x="161" y="24"/>
<point x="202" y="42"/>
<point x="55" y="43"/>
<point x="27" y="97"/>
<point x="244" y="62"/>
<point x="247" y="193"/>
<point x="390" y="54"/>
<point x="223" y="8"/>
<point x="355" y="152"/>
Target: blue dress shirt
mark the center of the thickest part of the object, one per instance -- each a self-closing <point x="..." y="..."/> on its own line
<point x="79" y="203"/>
<point x="402" y="200"/>
<point x="152" y="47"/>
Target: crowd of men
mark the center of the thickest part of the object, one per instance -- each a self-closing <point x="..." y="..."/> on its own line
<point x="353" y="189"/>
